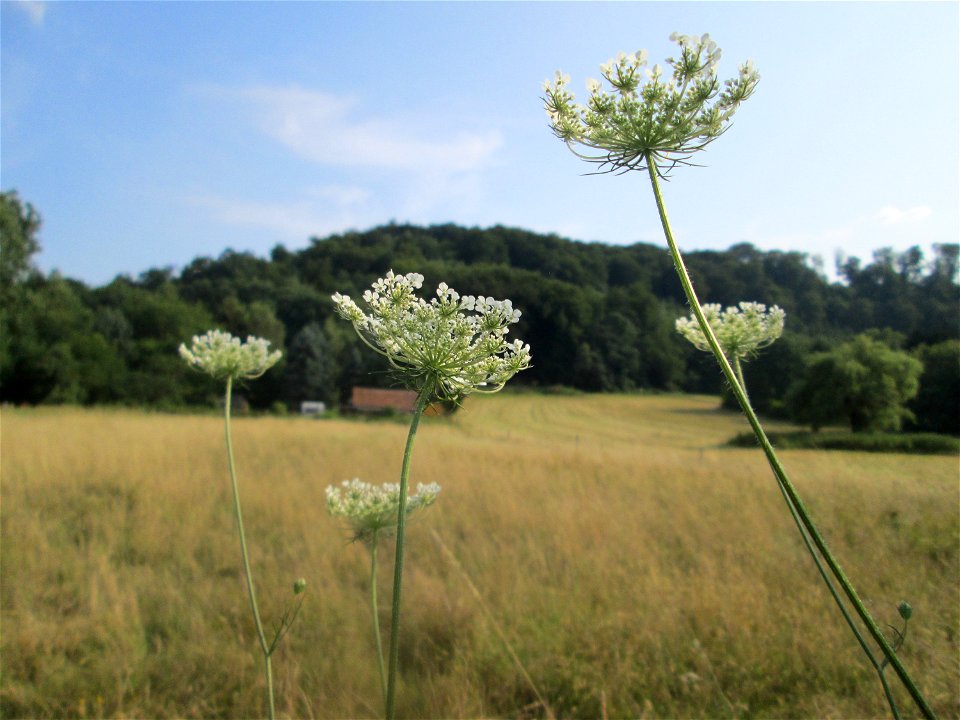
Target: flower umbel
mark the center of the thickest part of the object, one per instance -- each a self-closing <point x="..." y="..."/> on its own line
<point x="223" y="356"/>
<point x="647" y="115"/>
<point x="458" y="344"/>
<point x="741" y="331"/>
<point x="372" y="509"/>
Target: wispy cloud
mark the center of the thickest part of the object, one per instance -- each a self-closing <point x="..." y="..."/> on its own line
<point x="891" y="215"/>
<point x="411" y="164"/>
<point x="325" y="210"/>
<point x="332" y="130"/>
<point x="889" y="226"/>
<point x="34" y="9"/>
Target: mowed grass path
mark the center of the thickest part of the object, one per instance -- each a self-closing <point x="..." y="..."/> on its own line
<point x="637" y="566"/>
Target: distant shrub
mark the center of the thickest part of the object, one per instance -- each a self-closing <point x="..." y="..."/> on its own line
<point x="913" y="443"/>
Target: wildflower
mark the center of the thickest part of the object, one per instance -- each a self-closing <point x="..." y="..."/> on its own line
<point x="456" y="345"/>
<point x="374" y="508"/>
<point x="223" y="356"/>
<point x="646" y="117"/>
<point x="741" y="331"/>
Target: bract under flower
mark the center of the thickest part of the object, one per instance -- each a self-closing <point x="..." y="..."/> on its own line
<point x="457" y="344"/>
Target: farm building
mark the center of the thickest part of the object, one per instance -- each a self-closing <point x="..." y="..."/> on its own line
<point x="380" y="400"/>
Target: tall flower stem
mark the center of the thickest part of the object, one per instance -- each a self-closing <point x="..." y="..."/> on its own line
<point x="808" y="543"/>
<point x="423" y="399"/>
<point x="264" y="647"/>
<point x="376" y="615"/>
<point x="793" y="499"/>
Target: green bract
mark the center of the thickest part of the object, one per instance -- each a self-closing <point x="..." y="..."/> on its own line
<point x="373" y="508"/>
<point x="741" y="331"/>
<point x="456" y="344"/>
<point x="223" y="356"/>
<point x="647" y="115"/>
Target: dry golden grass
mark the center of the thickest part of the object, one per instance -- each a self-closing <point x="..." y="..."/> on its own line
<point x="637" y="567"/>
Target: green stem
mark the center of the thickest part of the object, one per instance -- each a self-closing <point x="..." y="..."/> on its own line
<point x="267" y="670"/>
<point x="376" y="616"/>
<point x="422" y="400"/>
<point x="788" y="488"/>
<point x="738" y="368"/>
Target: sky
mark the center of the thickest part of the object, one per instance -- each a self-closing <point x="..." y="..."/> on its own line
<point x="147" y="134"/>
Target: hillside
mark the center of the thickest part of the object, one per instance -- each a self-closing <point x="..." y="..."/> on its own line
<point x="597" y="317"/>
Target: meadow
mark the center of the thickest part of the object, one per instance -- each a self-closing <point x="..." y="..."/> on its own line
<point x="636" y="566"/>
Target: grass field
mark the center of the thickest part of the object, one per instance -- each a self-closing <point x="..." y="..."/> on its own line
<point x="637" y="566"/>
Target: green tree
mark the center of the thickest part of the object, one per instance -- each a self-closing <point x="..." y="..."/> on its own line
<point x="19" y="224"/>
<point x="936" y="406"/>
<point x="310" y="372"/>
<point x="863" y="382"/>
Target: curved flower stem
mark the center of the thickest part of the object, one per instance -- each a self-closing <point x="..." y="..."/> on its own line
<point x="264" y="647"/>
<point x="423" y="398"/>
<point x="376" y="615"/>
<point x="778" y="470"/>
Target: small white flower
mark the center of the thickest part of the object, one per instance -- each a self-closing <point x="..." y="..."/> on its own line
<point x="648" y="117"/>
<point x="741" y="330"/>
<point x="223" y="356"/>
<point x="454" y="343"/>
<point x="374" y="508"/>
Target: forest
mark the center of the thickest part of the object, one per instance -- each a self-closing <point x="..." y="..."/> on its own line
<point x="599" y="318"/>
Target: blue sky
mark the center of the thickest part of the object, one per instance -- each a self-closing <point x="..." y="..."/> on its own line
<point x="150" y="133"/>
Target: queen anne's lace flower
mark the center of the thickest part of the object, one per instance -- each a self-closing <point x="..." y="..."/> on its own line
<point x="374" y="508"/>
<point x="223" y="356"/>
<point x="457" y="344"/>
<point x="646" y="115"/>
<point x="741" y="331"/>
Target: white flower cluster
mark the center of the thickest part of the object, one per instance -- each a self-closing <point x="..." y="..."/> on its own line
<point x="647" y="116"/>
<point x="741" y="331"/>
<point x="373" y="508"/>
<point x="223" y="356"/>
<point x="456" y="343"/>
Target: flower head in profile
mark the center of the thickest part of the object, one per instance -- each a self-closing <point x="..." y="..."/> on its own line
<point x="372" y="509"/>
<point x="455" y="344"/>
<point x="741" y="330"/>
<point x="223" y="356"/>
<point x="649" y="114"/>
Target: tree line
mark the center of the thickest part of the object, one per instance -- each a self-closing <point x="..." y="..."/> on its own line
<point x="598" y="318"/>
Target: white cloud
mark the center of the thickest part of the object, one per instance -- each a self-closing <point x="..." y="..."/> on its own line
<point x="860" y="236"/>
<point x="290" y="221"/>
<point x="328" y="129"/>
<point x="341" y="195"/>
<point x="411" y="166"/>
<point x="34" y="9"/>
<point x="891" y="215"/>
